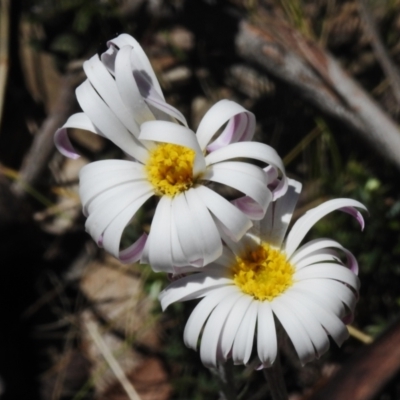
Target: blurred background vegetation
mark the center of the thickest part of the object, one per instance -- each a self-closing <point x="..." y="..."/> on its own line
<point x="65" y="303"/>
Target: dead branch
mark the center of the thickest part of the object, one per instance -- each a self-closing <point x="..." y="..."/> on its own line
<point x="367" y="373"/>
<point x="283" y="52"/>
<point x="381" y="54"/>
<point x="42" y="148"/>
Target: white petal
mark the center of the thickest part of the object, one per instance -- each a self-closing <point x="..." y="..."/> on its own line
<point x="179" y="259"/>
<point x="312" y="326"/>
<point x="100" y="176"/>
<point x="244" y="177"/>
<point x="128" y="88"/>
<point x="188" y="239"/>
<point x="295" y="330"/>
<point x="110" y="126"/>
<point x="255" y="151"/>
<point x="107" y="206"/>
<point x="319" y="256"/>
<point x="232" y="324"/>
<point x="333" y="325"/>
<point x="213" y="328"/>
<point x="61" y="140"/>
<point x="277" y="219"/>
<point x="220" y="113"/>
<point x="312" y="247"/>
<point x="326" y="299"/>
<point x="113" y="233"/>
<point x="330" y="271"/>
<point x="234" y="223"/>
<point x="106" y="86"/>
<point x="329" y="291"/>
<point x="140" y="61"/>
<point x="168" y="132"/>
<point x="200" y="314"/>
<point x="207" y="232"/>
<point x="267" y="344"/>
<point x="249" y="207"/>
<point x="304" y="224"/>
<point x="158" y="250"/>
<point x="243" y="344"/>
<point x="191" y="287"/>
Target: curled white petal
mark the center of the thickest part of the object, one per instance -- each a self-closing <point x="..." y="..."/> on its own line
<point x="61" y="140"/>
<point x="304" y="224"/>
<point x="240" y="127"/>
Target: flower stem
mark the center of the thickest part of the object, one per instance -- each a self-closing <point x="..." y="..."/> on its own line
<point x="276" y="383"/>
<point x="224" y="374"/>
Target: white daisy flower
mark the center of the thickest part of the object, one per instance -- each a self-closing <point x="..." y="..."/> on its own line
<point x="122" y="101"/>
<point x="264" y="278"/>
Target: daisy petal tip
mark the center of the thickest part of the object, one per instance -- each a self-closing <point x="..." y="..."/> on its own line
<point x="64" y="145"/>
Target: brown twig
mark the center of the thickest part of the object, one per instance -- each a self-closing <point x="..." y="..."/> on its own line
<point x="42" y="149"/>
<point x="382" y="56"/>
<point x="285" y="53"/>
<point x="364" y="376"/>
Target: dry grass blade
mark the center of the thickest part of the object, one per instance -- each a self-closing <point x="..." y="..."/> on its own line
<point x="4" y="38"/>
<point x="112" y="362"/>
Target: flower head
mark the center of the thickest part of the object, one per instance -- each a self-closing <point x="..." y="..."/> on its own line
<point x="122" y="101"/>
<point x="263" y="278"/>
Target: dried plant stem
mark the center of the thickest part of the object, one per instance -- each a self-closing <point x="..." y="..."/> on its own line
<point x="224" y="374"/>
<point x="112" y="362"/>
<point x="276" y="383"/>
<point x="382" y="55"/>
<point x="4" y="38"/>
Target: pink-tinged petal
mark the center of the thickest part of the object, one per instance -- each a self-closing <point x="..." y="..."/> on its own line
<point x="333" y="325"/>
<point x="233" y="222"/>
<point x="105" y="208"/>
<point x="304" y="224"/>
<point x="201" y="312"/>
<point x="244" y="177"/>
<point x="329" y="271"/>
<point x="211" y="334"/>
<point x="61" y="140"/>
<point x="232" y="324"/>
<point x="255" y="151"/>
<point x="192" y="287"/>
<point x="267" y="343"/>
<point x="295" y="330"/>
<point x="356" y="214"/>
<point x="106" y="121"/>
<point x="274" y="225"/>
<point x="241" y="125"/>
<point x="133" y="253"/>
<point x="249" y="207"/>
<point x="111" y="238"/>
<point x="168" y="132"/>
<point x="311" y="325"/>
<point x="128" y="89"/>
<point x="244" y="339"/>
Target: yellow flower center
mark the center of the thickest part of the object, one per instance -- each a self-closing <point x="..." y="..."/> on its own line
<point x="263" y="273"/>
<point x="170" y="169"/>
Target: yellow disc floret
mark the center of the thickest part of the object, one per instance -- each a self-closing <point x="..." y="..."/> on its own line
<point x="263" y="272"/>
<point x="170" y="169"/>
